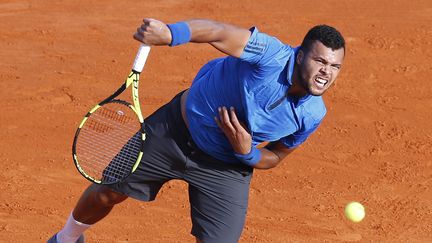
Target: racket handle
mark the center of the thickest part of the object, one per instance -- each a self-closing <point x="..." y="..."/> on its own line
<point x="141" y="58"/>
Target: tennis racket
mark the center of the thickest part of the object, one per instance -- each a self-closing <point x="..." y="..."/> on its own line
<point x="108" y="144"/>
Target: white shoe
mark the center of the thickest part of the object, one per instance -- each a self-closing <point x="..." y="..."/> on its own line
<point x="53" y="239"/>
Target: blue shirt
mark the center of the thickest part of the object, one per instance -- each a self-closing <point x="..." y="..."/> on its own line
<point x="256" y="85"/>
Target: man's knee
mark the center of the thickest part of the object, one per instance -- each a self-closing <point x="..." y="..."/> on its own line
<point x="107" y="197"/>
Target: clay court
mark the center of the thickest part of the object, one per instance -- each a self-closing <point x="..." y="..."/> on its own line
<point x="59" y="58"/>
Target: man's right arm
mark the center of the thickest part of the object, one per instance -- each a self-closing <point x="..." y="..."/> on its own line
<point x="227" y="38"/>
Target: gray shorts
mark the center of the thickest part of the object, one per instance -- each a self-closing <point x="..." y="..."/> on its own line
<point x="218" y="191"/>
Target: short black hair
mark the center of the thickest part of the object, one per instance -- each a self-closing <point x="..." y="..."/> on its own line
<point x="327" y="35"/>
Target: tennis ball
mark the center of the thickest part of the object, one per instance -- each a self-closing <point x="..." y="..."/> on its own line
<point x="355" y="212"/>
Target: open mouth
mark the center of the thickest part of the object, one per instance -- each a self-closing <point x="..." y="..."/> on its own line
<point x="321" y="82"/>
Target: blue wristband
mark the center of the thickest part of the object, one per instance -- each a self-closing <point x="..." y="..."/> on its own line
<point x="252" y="158"/>
<point x="180" y="33"/>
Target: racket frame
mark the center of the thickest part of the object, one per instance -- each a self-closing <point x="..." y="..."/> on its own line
<point x="132" y="79"/>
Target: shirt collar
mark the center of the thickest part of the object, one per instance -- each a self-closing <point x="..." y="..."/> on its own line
<point x="290" y="70"/>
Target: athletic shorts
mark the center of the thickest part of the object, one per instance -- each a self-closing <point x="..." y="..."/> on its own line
<point x="218" y="191"/>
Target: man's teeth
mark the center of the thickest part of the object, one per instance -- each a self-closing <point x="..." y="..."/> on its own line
<point x="320" y="81"/>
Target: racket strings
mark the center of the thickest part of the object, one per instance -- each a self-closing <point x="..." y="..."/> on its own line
<point x="117" y="115"/>
<point x="109" y="143"/>
<point x="119" y="164"/>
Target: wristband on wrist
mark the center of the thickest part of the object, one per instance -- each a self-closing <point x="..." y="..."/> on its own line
<point x="252" y="158"/>
<point x="180" y="33"/>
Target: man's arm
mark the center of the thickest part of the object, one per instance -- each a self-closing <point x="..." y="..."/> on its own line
<point x="227" y="38"/>
<point x="272" y="155"/>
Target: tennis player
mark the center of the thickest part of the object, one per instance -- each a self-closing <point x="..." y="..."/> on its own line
<point x="262" y="91"/>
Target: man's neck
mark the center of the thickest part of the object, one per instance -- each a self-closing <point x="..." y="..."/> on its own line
<point x="296" y="88"/>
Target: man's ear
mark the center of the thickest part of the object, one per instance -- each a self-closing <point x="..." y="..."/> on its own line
<point x="300" y="56"/>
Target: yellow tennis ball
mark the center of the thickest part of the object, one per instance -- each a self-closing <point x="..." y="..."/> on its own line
<point x="355" y="212"/>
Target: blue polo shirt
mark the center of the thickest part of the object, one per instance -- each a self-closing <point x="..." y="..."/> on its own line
<point x="256" y="85"/>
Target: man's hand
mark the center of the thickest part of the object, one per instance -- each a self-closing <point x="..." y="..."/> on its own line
<point x="153" y="32"/>
<point x="237" y="135"/>
<point x="241" y="140"/>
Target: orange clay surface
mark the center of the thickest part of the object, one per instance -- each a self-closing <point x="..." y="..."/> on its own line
<point x="59" y="58"/>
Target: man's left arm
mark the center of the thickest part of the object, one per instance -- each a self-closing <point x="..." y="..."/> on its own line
<point x="275" y="152"/>
<point x="272" y="155"/>
<point x="241" y="141"/>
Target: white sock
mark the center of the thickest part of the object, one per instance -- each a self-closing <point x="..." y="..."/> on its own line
<point x="71" y="231"/>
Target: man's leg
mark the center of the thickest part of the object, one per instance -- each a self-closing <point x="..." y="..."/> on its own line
<point x="95" y="203"/>
<point x="162" y="161"/>
<point x="218" y="194"/>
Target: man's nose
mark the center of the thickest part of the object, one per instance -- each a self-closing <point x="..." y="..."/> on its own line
<point x="325" y="69"/>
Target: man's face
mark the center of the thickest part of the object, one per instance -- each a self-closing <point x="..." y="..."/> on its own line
<point x="319" y="67"/>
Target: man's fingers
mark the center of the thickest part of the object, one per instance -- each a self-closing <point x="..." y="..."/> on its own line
<point x="235" y="122"/>
<point x="218" y="122"/>
<point x="143" y="31"/>
<point x="220" y="125"/>
<point x="225" y="119"/>
<point x="229" y="120"/>
<point x="144" y="27"/>
<point x="137" y="36"/>
<point x="152" y="24"/>
<point x="147" y="21"/>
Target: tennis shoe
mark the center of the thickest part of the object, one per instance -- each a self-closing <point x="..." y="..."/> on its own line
<point x="53" y="239"/>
